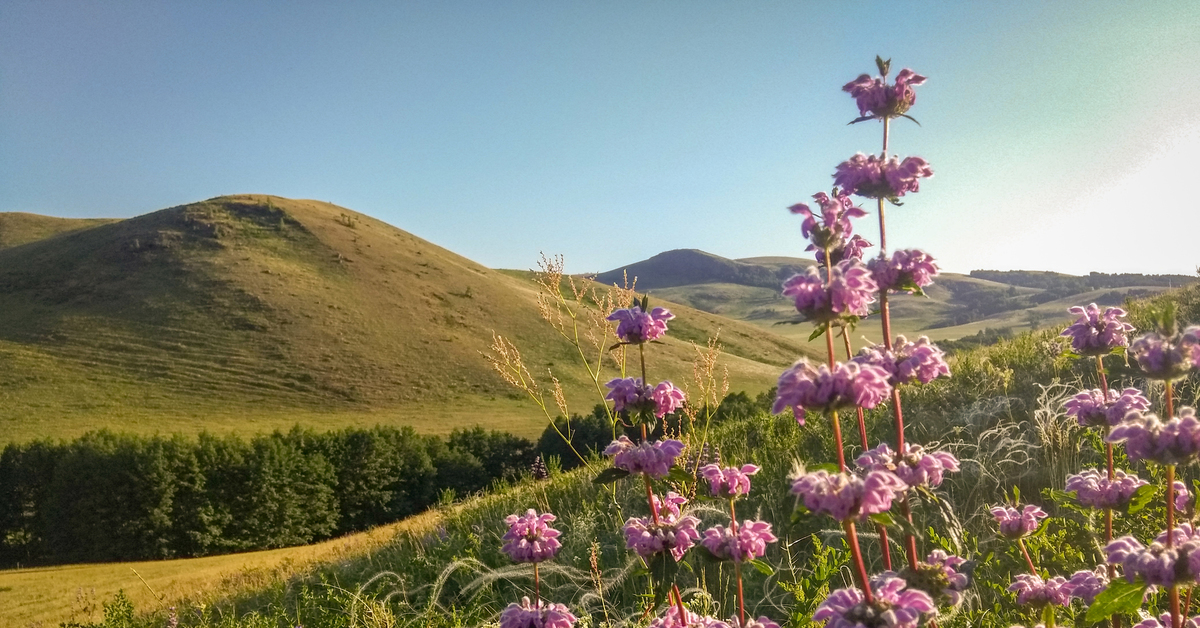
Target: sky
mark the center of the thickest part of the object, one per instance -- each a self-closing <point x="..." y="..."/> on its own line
<point x="1063" y="135"/>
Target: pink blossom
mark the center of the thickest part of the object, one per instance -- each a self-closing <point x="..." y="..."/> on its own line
<point x="655" y="459"/>
<point x="1147" y="438"/>
<point x="850" y="292"/>
<point x="1032" y="591"/>
<point x="730" y="482"/>
<point x="631" y="394"/>
<point x="1162" y="358"/>
<point x="953" y="582"/>
<point x="749" y="542"/>
<point x="670" y="619"/>
<point x="1156" y="564"/>
<point x="1164" y="621"/>
<point x="667" y="399"/>
<point x="1093" y="488"/>
<point x="545" y="615"/>
<point x="1086" y="585"/>
<point x="674" y="532"/>
<point x="1095" y="332"/>
<point x="844" y="496"/>
<point x="530" y="539"/>
<point x="1014" y="523"/>
<point x="916" y="468"/>
<point x="1092" y="410"/>
<point x="872" y="176"/>
<point x="908" y="270"/>
<point x="832" y="229"/>
<point x="805" y="388"/>
<point x="893" y="606"/>
<point x="636" y="327"/>
<point x="907" y="362"/>
<point x="877" y="99"/>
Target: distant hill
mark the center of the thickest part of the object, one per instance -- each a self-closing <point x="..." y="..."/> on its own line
<point x="244" y="313"/>
<point x="982" y="303"/>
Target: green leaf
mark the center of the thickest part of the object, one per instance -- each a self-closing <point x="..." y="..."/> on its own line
<point x="817" y="332"/>
<point x="883" y="66"/>
<point x="610" y="475"/>
<point x="862" y="119"/>
<point x="762" y="567"/>
<point x="680" y="474"/>
<point x="883" y="519"/>
<point x="1142" y="497"/>
<point x="1016" y="495"/>
<point x="1119" y="597"/>
<point x="905" y="115"/>
<point x="646" y="303"/>
<point x="827" y="467"/>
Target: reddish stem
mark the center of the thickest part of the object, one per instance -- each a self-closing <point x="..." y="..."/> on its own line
<point x="737" y="564"/>
<point x="862" y="421"/>
<point x="679" y="600"/>
<point x="1028" y="560"/>
<point x="859" y="566"/>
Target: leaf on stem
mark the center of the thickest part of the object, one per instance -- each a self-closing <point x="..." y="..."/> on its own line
<point x="862" y="119"/>
<point x="905" y="115"/>
<point x="1119" y="597"/>
<point x="762" y="567"/>
<point x="1142" y="497"/>
<point x="610" y="475"/>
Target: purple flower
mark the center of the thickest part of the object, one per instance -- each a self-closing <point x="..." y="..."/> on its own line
<point x="832" y="229"/>
<point x="877" y="99"/>
<point x="545" y="615"/>
<point x="636" y="327"/>
<point x="875" y="177"/>
<point x="908" y="362"/>
<point x="907" y="271"/>
<point x="805" y="388"/>
<point x="951" y="582"/>
<point x="1086" y="585"/>
<point x="851" y="250"/>
<point x="1031" y="590"/>
<point x="1147" y="438"/>
<point x="850" y="292"/>
<point x="530" y="539"/>
<point x="631" y="394"/>
<point x="1014" y="523"/>
<point x="1096" y="333"/>
<point x="1191" y="344"/>
<point x="1156" y="564"/>
<point x="1162" y="358"/>
<point x="1092" y="410"/>
<point x="1094" y="490"/>
<point x="761" y="622"/>
<point x="844" y="496"/>
<point x="654" y="459"/>
<point x="1164" y="621"/>
<point x="893" y="606"/>
<point x="670" y="619"/>
<point x="916" y="468"/>
<point x="1183" y="499"/>
<point x="749" y="542"/>
<point x="674" y="532"/>
<point x="730" y="482"/>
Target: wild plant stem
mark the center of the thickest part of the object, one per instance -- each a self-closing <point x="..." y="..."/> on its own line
<point x="1048" y="616"/>
<point x="859" y="566"/>
<point x="1028" y="560"/>
<point x="1173" y="594"/>
<point x="537" y="588"/>
<point x="682" y="611"/>
<point x="737" y="565"/>
<point x="862" y="433"/>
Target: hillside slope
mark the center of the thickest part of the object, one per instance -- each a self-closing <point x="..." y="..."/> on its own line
<point x="252" y="312"/>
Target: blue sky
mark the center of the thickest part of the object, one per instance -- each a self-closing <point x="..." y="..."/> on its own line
<point x="1063" y="135"/>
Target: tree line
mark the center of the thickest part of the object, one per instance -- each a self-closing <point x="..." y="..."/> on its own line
<point x="115" y="497"/>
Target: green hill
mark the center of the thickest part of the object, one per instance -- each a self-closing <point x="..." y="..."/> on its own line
<point x="250" y="313"/>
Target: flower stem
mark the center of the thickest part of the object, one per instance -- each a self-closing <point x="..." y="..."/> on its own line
<point x="537" y="588"/>
<point x="679" y="600"/>
<point x="859" y="567"/>
<point x="1048" y="616"/>
<point x="862" y="433"/>
<point x="1173" y="593"/>
<point x="1028" y="560"/>
<point x="737" y="564"/>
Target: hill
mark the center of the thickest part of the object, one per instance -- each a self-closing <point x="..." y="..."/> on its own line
<point x="954" y="307"/>
<point x="250" y="313"/>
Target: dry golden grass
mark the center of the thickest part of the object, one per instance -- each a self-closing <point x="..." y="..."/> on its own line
<point x="49" y="595"/>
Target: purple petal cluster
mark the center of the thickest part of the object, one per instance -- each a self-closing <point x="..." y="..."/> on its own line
<point x="894" y="606"/>
<point x="730" y="482"/>
<point x="545" y="615"/>
<point x="1157" y="564"/>
<point x="747" y="543"/>
<point x="667" y="399"/>
<point x="872" y="176"/>
<point x="876" y="98"/>
<point x="530" y="539"/>
<point x="1163" y="358"/>
<point x="907" y="362"/>
<point x="1092" y="410"/>
<point x="671" y="619"/>
<point x="832" y="229"/>
<point x="1191" y="344"/>
<point x="674" y="532"/>
<point x="631" y="394"/>
<point x="1014" y="523"/>
<point x="761" y="622"/>
<point x="1096" y="332"/>
<point x="844" y="496"/>
<point x="1164" y="621"/>
<point x="1031" y="590"/>
<point x="849" y="292"/>
<point x="916" y="467"/>
<point x="1147" y="438"/>
<point x="655" y="459"/>
<point x="955" y="582"/>
<point x="805" y="388"/>
<point x="1086" y="585"/>
<point x="852" y="249"/>
<point x="908" y="270"/>
<point x="1093" y="488"/>
<point x="1183" y="499"/>
<point x="635" y="326"/>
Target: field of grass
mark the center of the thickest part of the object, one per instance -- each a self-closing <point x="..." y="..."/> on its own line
<point x="246" y="313"/>
<point x="49" y="595"/>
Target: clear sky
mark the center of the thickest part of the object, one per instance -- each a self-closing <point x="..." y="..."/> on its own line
<point x="1064" y="135"/>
